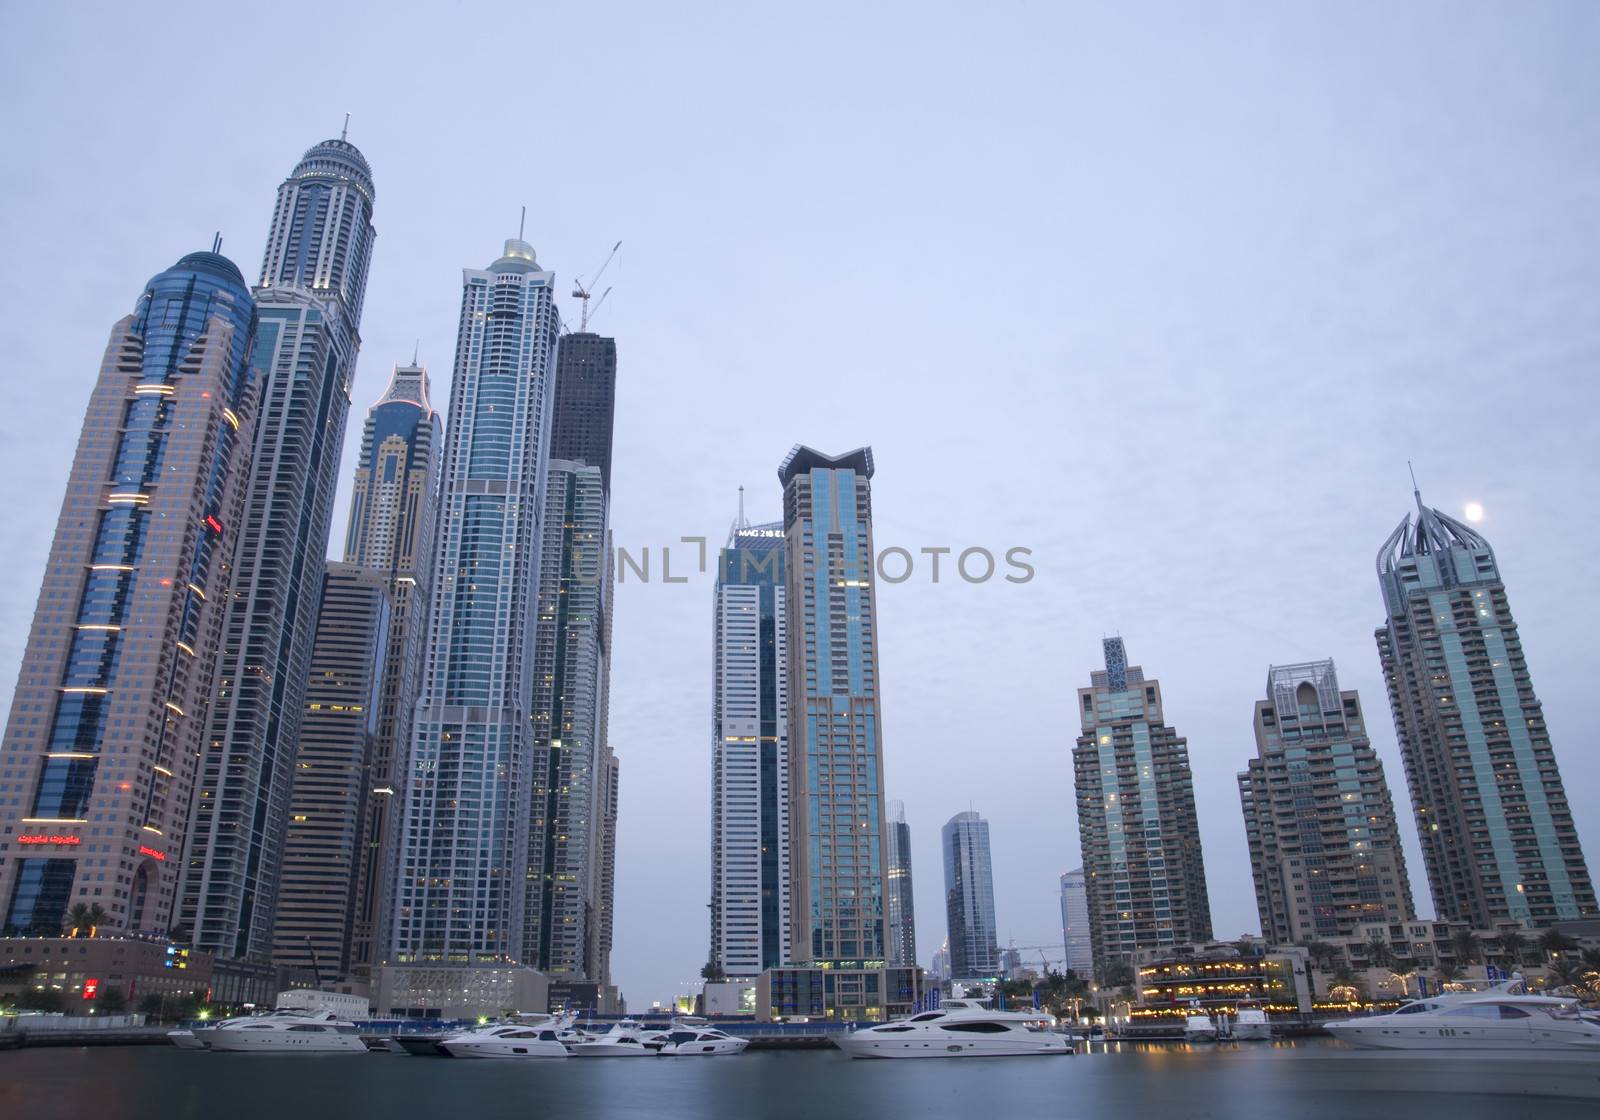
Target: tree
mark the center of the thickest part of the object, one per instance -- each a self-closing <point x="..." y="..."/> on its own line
<point x="1467" y="947"/>
<point x="1566" y="974"/>
<point x="1512" y="946"/>
<point x="84" y="918"/>
<point x="151" y="1005"/>
<point x="1448" y="972"/>
<point x="1379" y="952"/>
<point x="1116" y="974"/>
<point x="112" y="1001"/>
<point x="712" y="971"/>
<point x="1553" y="942"/>
<point x="41" y="999"/>
<point x="1322" y="954"/>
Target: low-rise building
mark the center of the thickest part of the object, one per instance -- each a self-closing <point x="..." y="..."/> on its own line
<point x="1219" y="976"/>
<point x="871" y="994"/>
<point x="87" y="970"/>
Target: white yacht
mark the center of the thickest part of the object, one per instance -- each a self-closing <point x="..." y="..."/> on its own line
<point x="1251" y="1025"/>
<point x="694" y="1040"/>
<point x="1500" y="1019"/>
<point x="627" y="1038"/>
<point x="507" y="1040"/>
<point x="287" y="1032"/>
<point x="961" y="1028"/>
<point x="1199" y="1027"/>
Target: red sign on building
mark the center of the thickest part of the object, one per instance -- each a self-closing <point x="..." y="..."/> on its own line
<point x="91" y="988"/>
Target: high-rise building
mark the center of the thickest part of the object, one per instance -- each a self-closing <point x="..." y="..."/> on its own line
<point x="586" y="402"/>
<point x="969" y="897"/>
<point x="1075" y="924"/>
<point x="568" y="771"/>
<point x="1143" y="870"/>
<point x="1497" y="832"/>
<point x="749" y="755"/>
<point x="1324" y="847"/>
<point x="463" y="847"/>
<point x="322" y="854"/>
<point x="313" y="280"/>
<point x="391" y="531"/>
<point x="838" y="858"/>
<point x="100" y="750"/>
<point x="902" y="903"/>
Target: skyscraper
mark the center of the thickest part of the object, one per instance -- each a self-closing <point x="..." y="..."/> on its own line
<point x="1324" y="847"/>
<point x="322" y="855"/>
<point x="313" y="279"/>
<point x="1143" y="870"/>
<point x="750" y="869"/>
<point x="1497" y="833"/>
<point x="393" y="509"/>
<point x="1075" y="924"/>
<point x="902" y="904"/>
<point x="463" y="848"/>
<point x="969" y="897"/>
<point x="568" y="770"/>
<point x="107" y="719"/>
<point x="586" y="402"/>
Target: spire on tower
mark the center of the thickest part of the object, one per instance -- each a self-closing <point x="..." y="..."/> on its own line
<point x="344" y="132"/>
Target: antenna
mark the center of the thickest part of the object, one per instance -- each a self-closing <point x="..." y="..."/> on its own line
<point x="584" y="292"/>
<point x="216" y="242"/>
<point x="415" y="350"/>
<point x="523" y="224"/>
<point x="345" y="131"/>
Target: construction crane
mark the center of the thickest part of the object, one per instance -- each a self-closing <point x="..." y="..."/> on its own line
<point x="584" y="292"/>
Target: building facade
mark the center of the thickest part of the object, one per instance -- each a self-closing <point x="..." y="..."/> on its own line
<point x="1497" y="832"/>
<point x="320" y="890"/>
<point x="1075" y="924"/>
<point x="1143" y="870"/>
<point x="99" y="756"/>
<point x="750" y="868"/>
<point x="838" y="857"/>
<point x="1324" y="845"/>
<point x="902" y="900"/>
<point x="393" y="507"/>
<point x="586" y="401"/>
<point x="313" y="280"/>
<point x="969" y="897"/>
<point x="568" y="765"/>
<point x="463" y="848"/>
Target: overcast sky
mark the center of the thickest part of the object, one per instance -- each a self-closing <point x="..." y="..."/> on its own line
<point x="1168" y="294"/>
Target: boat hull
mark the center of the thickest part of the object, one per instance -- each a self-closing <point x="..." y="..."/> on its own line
<point x="863" y="1045"/>
<point x="530" y="1049"/>
<point x="284" y="1042"/>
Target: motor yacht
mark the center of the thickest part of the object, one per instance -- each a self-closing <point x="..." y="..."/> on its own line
<point x="506" y="1040"/>
<point x="1252" y="1025"/>
<point x="286" y="1032"/>
<point x="1199" y="1027"/>
<point x="186" y="1040"/>
<point x="961" y="1028"/>
<point x="694" y="1040"/>
<point x="627" y="1038"/>
<point x="1504" y="1018"/>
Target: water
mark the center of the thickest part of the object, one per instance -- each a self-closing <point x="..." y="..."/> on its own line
<point x="1304" y="1082"/>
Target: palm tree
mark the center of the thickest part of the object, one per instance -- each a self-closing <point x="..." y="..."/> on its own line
<point x="1512" y="946"/>
<point x="1467" y="946"/>
<point x="1553" y="942"/>
<point x="1379" y="953"/>
<point x="83" y="916"/>
<point x="1322" y="954"/>
<point x="1566" y="974"/>
<point x="1448" y="972"/>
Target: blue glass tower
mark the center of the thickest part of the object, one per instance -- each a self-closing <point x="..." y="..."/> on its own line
<point x="106" y="725"/>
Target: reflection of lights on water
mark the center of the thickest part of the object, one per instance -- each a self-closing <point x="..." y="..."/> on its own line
<point x="1474" y="511"/>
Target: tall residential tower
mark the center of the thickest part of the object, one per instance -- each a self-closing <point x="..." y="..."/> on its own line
<point x="313" y="280"/>
<point x="107" y="721"/>
<point x="1075" y="924"/>
<point x="902" y="900"/>
<point x="969" y="897"/>
<point x="1324" y="846"/>
<point x="750" y="756"/>
<point x="1145" y="878"/>
<point x="1497" y="832"/>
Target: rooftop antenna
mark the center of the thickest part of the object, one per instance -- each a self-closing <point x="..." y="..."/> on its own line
<point x="1416" y="491"/>
<point x="415" y="350"/>
<point x="584" y="292"/>
<point x="523" y="224"/>
<point x="345" y="131"/>
<point x="216" y="242"/>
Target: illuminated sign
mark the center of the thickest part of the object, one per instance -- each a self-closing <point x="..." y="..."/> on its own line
<point x="91" y="988"/>
<point x="216" y="526"/>
<point x="152" y="853"/>
<point x="48" y="838"/>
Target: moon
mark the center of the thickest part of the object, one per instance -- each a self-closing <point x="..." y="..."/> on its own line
<point x="1474" y="511"/>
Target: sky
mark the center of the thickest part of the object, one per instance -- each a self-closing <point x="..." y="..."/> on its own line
<point x="1168" y="294"/>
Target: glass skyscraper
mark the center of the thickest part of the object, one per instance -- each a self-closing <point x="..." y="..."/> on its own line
<point x="1324" y="846"/>
<point x="1075" y="924"/>
<point x="463" y="848"/>
<point x="1497" y="832"/>
<point x="902" y="902"/>
<point x="969" y="897"/>
<point x="750" y="867"/>
<point x="586" y="401"/>
<point x="99" y="756"/>
<point x="1144" y="874"/>
<point x="313" y="279"/>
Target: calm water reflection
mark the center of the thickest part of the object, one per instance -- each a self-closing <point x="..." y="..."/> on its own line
<point x="1152" y="1083"/>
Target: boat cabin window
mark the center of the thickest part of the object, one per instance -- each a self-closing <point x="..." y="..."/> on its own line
<point x="548" y="1036"/>
<point x="1475" y="1011"/>
<point x="893" y="1030"/>
<point x="306" y="1027"/>
<point x="1509" y="1012"/>
<point x="977" y="1028"/>
<point x="1413" y="1008"/>
<point x="681" y="1036"/>
<point x="928" y="1017"/>
<point x="348" y="1030"/>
